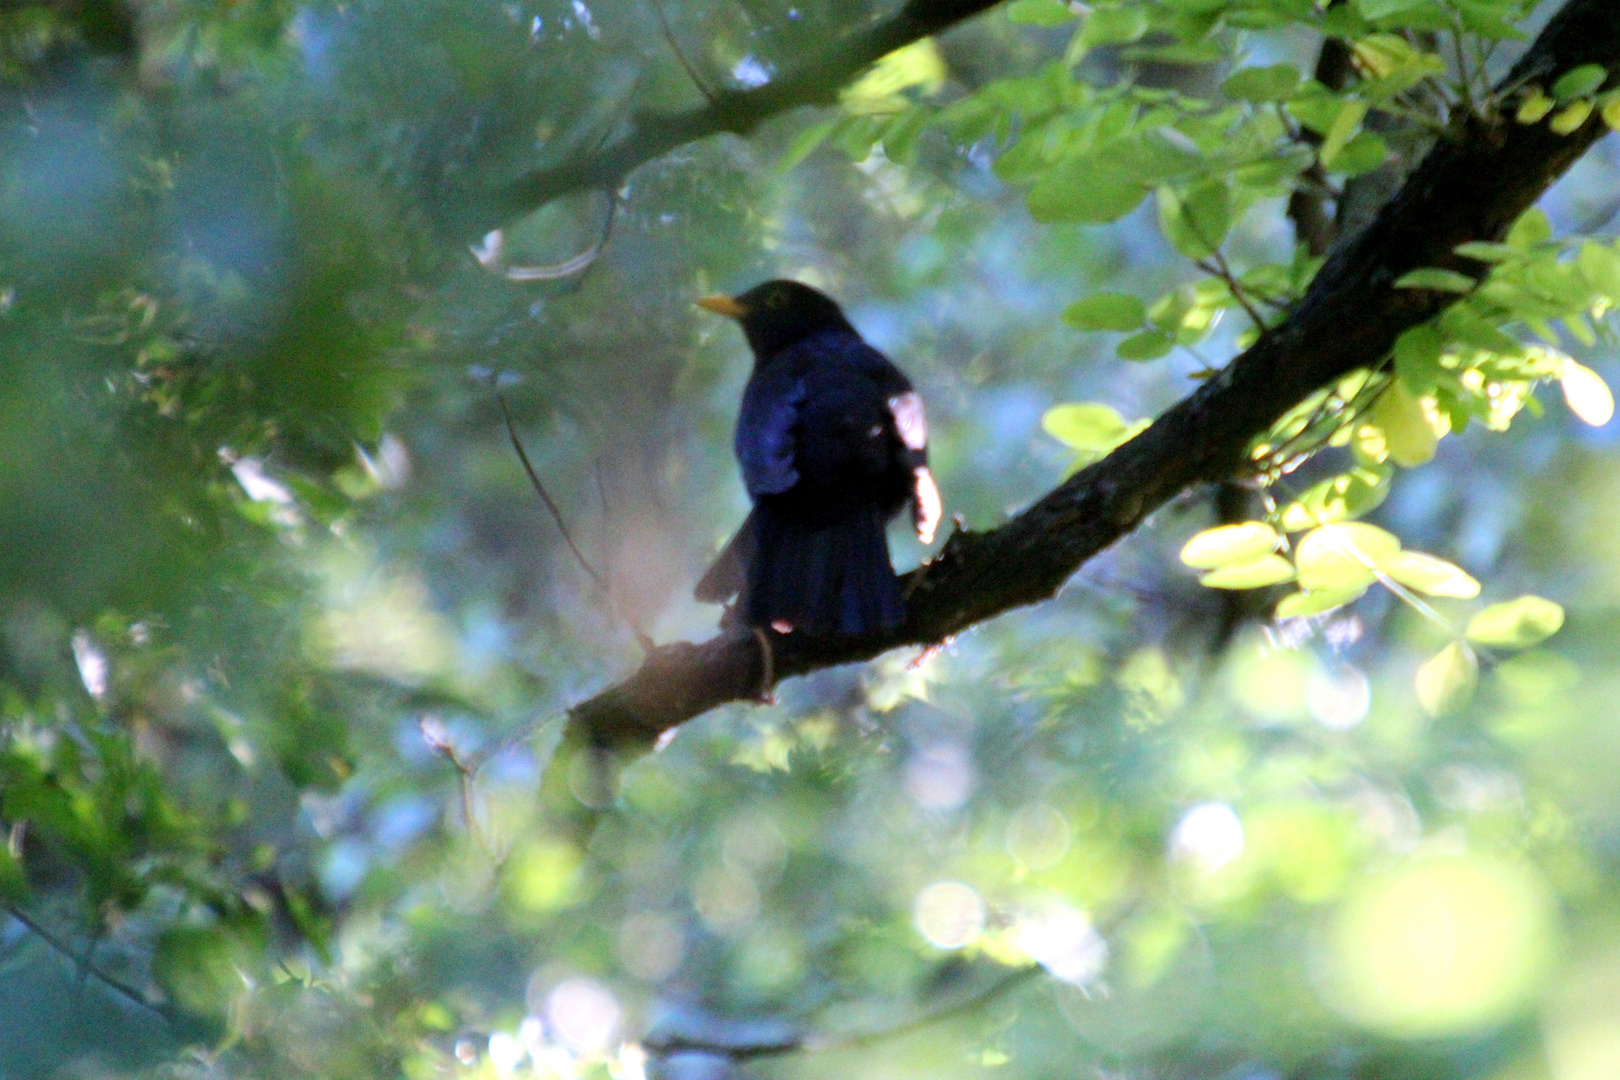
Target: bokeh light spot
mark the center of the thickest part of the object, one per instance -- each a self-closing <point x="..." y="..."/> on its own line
<point x="949" y="914"/>
<point x="1439" y="947"/>
<point x="583" y="1013"/>
<point x="1209" y="836"/>
<point x="1064" y="942"/>
<point x="1038" y="836"/>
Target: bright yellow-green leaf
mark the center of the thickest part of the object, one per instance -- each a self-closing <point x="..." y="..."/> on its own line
<point x="1370" y="446"/>
<point x="1532" y="228"/>
<point x="1534" y="106"/>
<point x="1089" y="426"/>
<point x="1266" y="570"/>
<point x="1228" y="545"/>
<point x="918" y="65"/>
<point x="1588" y="395"/>
<point x="1446" y="681"/>
<point x="1343" y="555"/>
<point x="1430" y="575"/>
<point x="1611" y="114"/>
<point x="1316" y="602"/>
<point x="1337" y="498"/>
<point x="1106" y="311"/>
<point x="1516" y="624"/>
<point x="1412" y="426"/>
<point x="1571" y="116"/>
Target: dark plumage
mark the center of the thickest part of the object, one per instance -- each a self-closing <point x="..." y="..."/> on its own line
<point x="833" y="444"/>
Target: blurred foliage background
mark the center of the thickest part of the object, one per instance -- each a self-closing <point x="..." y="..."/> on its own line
<point x="286" y="640"/>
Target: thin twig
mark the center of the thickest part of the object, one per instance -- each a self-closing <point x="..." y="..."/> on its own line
<point x="674" y="47"/>
<point x="545" y="496"/>
<point x="641" y="636"/>
<point x="84" y="966"/>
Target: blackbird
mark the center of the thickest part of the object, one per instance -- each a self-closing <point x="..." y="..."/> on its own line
<point x="833" y="444"/>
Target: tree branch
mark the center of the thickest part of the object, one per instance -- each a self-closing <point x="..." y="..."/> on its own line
<point x="816" y="81"/>
<point x="1472" y="185"/>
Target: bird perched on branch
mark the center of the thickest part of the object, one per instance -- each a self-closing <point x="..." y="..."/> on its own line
<point x="833" y="445"/>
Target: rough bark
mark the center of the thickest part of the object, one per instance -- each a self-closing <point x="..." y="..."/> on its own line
<point x="1471" y="186"/>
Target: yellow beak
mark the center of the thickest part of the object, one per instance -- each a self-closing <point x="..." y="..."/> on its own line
<point x="723" y="305"/>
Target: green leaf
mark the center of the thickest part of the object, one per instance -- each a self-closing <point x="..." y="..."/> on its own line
<point x="1342" y="556"/>
<point x="1484" y="18"/>
<point x="1446" y="681"/>
<point x="1179" y="52"/>
<point x="1273" y="83"/>
<point x="1571" y="117"/>
<point x="1089" y="425"/>
<point x="1579" y="82"/>
<point x="1091" y="429"/>
<point x="1432" y="277"/>
<point x="1362" y="154"/>
<point x="1196" y="222"/>
<point x="1226" y="545"/>
<point x="1412" y="425"/>
<point x="1090" y="189"/>
<point x="1599" y="264"/>
<point x="806" y="143"/>
<point x="1417" y="358"/>
<point x="1345" y="126"/>
<point x="1106" y="311"/>
<point x="1411" y="14"/>
<point x="1534" y="106"/>
<point x="1487" y="252"/>
<point x="1338" y="498"/>
<point x="1317" y="601"/>
<point x="1114" y="26"/>
<point x="1587" y="395"/>
<point x="1430" y="575"/>
<point x="1261" y="572"/>
<point x="1148" y="345"/>
<point x="1039" y="12"/>
<point x="1531" y="229"/>
<point x="1516" y="624"/>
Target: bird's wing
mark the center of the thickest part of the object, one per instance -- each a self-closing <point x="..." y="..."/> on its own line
<point x="765" y="431"/>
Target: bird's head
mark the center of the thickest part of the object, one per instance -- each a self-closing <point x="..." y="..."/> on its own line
<point x="778" y="314"/>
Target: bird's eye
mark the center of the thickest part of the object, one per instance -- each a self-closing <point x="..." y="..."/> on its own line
<point x="775" y="300"/>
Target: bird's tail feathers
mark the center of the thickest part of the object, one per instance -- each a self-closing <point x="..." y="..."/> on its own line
<point x="729" y="572"/>
<point x="834" y="578"/>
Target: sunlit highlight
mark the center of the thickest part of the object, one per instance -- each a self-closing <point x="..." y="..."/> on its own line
<point x="949" y="914"/>
<point x="1209" y="836"/>
<point x="583" y="1013"/>
<point x="1063" y="941"/>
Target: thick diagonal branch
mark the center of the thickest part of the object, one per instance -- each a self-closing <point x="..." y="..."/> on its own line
<point x="1471" y="186"/>
<point x="815" y="81"/>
